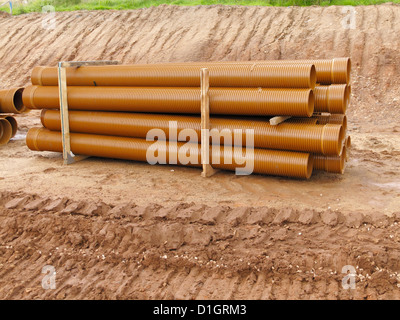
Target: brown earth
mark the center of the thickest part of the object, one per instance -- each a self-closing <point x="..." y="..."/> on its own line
<point x="117" y="229"/>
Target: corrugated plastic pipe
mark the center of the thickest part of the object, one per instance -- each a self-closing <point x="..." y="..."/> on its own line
<point x="164" y="75"/>
<point x="232" y="101"/>
<point x="333" y="98"/>
<point x="286" y="136"/>
<point x="329" y="71"/>
<point x="13" y="122"/>
<point x="6" y="131"/>
<point x="271" y="162"/>
<point x="333" y="164"/>
<point x="11" y="101"/>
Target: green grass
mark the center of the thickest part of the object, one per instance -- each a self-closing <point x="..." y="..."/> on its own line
<point x="72" y="5"/>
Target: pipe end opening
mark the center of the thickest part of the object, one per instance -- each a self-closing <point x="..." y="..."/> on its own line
<point x="6" y="131"/>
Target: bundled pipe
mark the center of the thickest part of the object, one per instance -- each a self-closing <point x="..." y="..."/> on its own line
<point x="271" y="162"/>
<point x="224" y="101"/>
<point x="270" y="73"/>
<point x="139" y="98"/>
<point x="325" y="139"/>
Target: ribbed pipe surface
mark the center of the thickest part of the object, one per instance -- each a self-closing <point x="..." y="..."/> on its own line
<point x="6" y="131"/>
<point x="13" y="122"/>
<point x="333" y="164"/>
<point x="231" y="101"/>
<point x="328" y="71"/>
<point x="285" y="136"/>
<point x="271" y="162"/>
<point x="11" y="101"/>
<point x="164" y="75"/>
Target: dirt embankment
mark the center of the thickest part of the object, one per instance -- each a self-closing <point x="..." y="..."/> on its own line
<point x="119" y="229"/>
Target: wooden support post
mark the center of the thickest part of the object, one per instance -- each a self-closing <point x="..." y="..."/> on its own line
<point x="68" y="156"/>
<point x="208" y="170"/>
<point x="277" y="120"/>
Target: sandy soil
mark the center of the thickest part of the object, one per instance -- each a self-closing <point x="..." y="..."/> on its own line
<point x="118" y="229"/>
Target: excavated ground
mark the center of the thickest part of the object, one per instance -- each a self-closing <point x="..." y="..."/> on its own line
<point x="120" y="229"/>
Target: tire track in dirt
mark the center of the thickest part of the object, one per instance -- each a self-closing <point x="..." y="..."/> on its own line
<point x="192" y="252"/>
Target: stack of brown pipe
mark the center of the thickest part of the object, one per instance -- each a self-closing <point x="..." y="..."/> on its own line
<point x="330" y="108"/>
<point x="112" y="109"/>
<point x="10" y="103"/>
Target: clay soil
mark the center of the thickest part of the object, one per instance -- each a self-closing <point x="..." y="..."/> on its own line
<point x="125" y="230"/>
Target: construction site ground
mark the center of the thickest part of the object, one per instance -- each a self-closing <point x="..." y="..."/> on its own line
<point x="124" y="230"/>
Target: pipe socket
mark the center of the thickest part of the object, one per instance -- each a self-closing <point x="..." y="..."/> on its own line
<point x="11" y="101"/>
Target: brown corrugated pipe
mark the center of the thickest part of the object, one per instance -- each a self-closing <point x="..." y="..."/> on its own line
<point x="13" y="122"/>
<point x="285" y="136"/>
<point x="328" y="71"/>
<point x="233" y="101"/>
<point x="238" y="75"/>
<point x="333" y="98"/>
<point x="11" y="101"/>
<point x="271" y="162"/>
<point x="6" y="131"/>
<point x="333" y="164"/>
